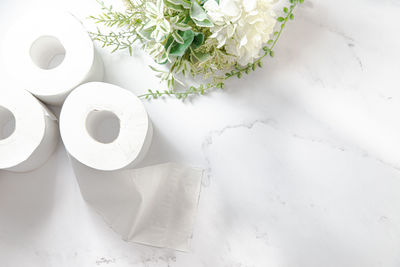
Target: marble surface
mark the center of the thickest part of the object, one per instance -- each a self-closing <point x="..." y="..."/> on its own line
<point x="302" y="158"/>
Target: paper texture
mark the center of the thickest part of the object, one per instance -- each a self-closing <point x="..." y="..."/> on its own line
<point x="155" y="205"/>
<point x="33" y="132"/>
<point x="53" y="53"/>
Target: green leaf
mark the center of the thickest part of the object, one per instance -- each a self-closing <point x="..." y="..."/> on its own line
<point x="197" y="12"/>
<point x="198" y="40"/>
<point x="182" y="26"/>
<point x="168" y="44"/>
<point x="177" y="49"/>
<point x="177" y="37"/>
<point x="199" y="15"/>
<point x="200" y="56"/>
<point x="146" y="32"/>
<point x="280" y="19"/>
<point x="271" y="53"/>
<point x="173" y="6"/>
<point x="151" y="8"/>
<point x="183" y="3"/>
<point x="205" y="23"/>
<point x="154" y="69"/>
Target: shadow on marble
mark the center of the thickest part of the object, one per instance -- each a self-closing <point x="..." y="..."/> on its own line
<point x="161" y="150"/>
<point x="26" y="199"/>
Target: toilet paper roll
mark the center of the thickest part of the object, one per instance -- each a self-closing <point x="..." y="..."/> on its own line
<point x="28" y="131"/>
<point x="154" y="205"/>
<point x="53" y="53"/>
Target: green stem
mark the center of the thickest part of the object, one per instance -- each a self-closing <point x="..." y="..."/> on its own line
<point x="237" y="72"/>
<point x="268" y="50"/>
<point x="200" y="90"/>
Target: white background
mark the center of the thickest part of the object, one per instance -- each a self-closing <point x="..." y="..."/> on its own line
<point x="302" y="157"/>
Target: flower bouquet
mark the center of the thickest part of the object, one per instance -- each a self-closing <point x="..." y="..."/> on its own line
<point x="210" y="40"/>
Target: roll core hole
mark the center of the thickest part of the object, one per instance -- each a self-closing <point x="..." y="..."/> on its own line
<point x="7" y="123"/>
<point x="103" y="126"/>
<point x="47" y="52"/>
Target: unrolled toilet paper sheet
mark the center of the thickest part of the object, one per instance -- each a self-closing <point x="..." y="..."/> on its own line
<point x="155" y="205"/>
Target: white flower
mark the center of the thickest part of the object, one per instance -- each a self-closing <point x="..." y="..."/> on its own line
<point x="158" y="26"/>
<point x="241" y="26"/>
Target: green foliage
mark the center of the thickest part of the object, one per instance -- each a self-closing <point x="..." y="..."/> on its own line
<point x="179" y="43"/>
<point x="193" y="90"/>
<point x="199" y="15"/>
<point x="176" y="32"/>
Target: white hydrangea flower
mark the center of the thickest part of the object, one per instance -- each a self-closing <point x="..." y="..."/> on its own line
<point x="242" y="26"/>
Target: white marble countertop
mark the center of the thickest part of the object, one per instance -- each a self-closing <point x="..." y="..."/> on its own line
<point x="302" y="157"/>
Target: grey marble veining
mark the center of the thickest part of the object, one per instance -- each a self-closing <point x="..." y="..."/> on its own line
<point x="302" y="157"/>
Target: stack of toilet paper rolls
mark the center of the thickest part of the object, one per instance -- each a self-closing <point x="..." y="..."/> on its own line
<point x="105" y="129"/>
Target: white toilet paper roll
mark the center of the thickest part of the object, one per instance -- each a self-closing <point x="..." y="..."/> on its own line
<point x="153" y="205"/>
<point x="28" y="131"/>
<point x="53" y="53"/>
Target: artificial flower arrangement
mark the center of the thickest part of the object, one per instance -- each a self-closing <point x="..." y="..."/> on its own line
<point x="213" y="40"/>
